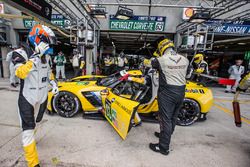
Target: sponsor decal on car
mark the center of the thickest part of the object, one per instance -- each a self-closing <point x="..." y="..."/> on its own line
<point x="82" y="83"/>
<point x="195" y="91"/>
<point x="123" y="107"/>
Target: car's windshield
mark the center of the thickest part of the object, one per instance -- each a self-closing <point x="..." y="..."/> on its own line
<point x="130" y="90"/>
<point x="109" y="80"/>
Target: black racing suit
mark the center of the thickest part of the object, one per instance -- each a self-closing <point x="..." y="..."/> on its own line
<point x="172" y="69"/>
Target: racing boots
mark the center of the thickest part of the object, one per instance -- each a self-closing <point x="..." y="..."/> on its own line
<point x="157" y="148"/>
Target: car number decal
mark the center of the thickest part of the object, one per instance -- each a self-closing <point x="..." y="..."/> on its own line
<point x="110" y="113"/>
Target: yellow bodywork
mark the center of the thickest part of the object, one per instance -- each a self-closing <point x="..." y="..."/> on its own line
<point x="118" y="113"/>
<point x="119" y="110"/>
<point x="194" y="91"/>
<point x="81" y="84"/>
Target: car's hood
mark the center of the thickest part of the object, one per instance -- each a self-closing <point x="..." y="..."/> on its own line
<point x="194" y="84"/>
<point x="79" y="83"/>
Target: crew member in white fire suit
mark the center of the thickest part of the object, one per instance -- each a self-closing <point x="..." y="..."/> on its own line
<point x="235" y="72"/>
<point x="32" y="67"/>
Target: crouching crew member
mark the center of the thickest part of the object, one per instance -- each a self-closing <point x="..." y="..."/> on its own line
<point x="201" y="67"/>
<point x="172" y="69"/>
<point x="32" y="67"/>
<point x="201" y="64"/>
<point x="244" y="83"/>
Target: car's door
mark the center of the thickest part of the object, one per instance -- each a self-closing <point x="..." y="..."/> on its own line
<point x="119" y="111"/>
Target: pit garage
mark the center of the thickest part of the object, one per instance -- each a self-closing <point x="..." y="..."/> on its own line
<point x="100" y="116"/>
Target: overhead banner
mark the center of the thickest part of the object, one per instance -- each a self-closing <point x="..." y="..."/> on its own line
<point x="230" y="27"/>
<point x="138" y="23"/>
<point x="40" y="7"/>
<point x="56" y="19"/>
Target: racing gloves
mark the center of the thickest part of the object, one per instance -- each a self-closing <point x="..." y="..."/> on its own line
<point x="124" y="75"/>
<point x="54" y="87"/>
<point x="199" y="70"/>
<point x="41" y="49"/>
<point x="124" y="78"/>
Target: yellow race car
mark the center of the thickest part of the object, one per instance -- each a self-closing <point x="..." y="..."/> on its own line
<point x="84" y="94"/>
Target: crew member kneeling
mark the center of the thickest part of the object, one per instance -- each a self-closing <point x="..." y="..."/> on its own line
<point x="172" y="69"/>
<point x="32" y="67"/>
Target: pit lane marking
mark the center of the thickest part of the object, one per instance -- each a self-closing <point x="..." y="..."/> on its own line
<point x="230" y="97"/>
<point x="225" y="100"/>
<point x="229" y="112"/>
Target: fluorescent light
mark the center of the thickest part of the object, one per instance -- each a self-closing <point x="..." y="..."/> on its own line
<point x="199" y="17"/>
<point x="241" y="43"/>
<point x="124" y="13"/>
<point x="98" y="12"/>
<point x="100" y="16"/>
<point x="122" y="17"/>
<point x="87" y="8"/>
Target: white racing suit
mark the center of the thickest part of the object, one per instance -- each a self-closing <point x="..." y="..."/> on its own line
<point x="34" y="74"/>
<point x="235" y="73"/>
<point x="172" y="69"/>
<point x="121" y="63"/>
<point x="13" y="78"/>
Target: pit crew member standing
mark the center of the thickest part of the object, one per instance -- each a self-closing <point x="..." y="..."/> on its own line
<point x="13" y="78"/>
<point x="60" y="61"/>
<point x="107" y="62"/>
<point x="122" y="60"/>
<point x="235" y="72"/>
<point x="32" y="67"/>
<point x="172" y="69"/>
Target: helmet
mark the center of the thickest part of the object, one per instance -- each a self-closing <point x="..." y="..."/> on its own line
<point x="198" y="58"/>
<point x="40" y="33"/>
<point x="163" y="45"/>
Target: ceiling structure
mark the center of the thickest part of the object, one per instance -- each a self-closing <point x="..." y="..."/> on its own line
<point x="219" y="9"/>
<point x="130" y="42"/>
<point x="75" y="11"/>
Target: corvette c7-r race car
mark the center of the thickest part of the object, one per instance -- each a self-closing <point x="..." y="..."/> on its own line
<point x="84" y="94"/>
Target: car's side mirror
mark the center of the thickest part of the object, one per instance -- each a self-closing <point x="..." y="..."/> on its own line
<point x="104" y="92"/>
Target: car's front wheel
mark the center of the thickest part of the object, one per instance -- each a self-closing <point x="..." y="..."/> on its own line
<point x="66" y="104"/>
<point x="189" y="113"/>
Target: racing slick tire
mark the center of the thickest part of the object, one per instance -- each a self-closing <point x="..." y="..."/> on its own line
<point x="189" y="112"/>
<point x="66" y="104"/>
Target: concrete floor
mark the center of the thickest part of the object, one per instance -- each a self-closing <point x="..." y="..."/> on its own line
<point x="78" y="142"/>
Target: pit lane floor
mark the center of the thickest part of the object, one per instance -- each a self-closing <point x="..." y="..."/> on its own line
<point x="78" y="142"/>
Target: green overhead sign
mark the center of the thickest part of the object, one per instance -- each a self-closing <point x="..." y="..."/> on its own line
<point x="138" y="23"/>
<point x="56" y="19"/>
